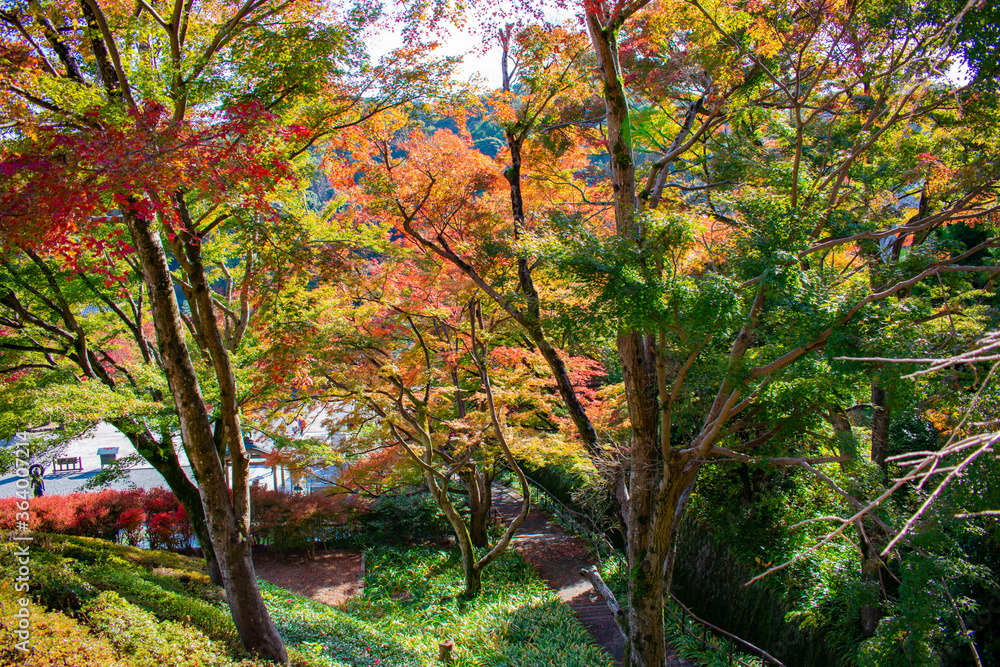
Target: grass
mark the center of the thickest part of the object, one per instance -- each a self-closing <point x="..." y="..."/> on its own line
<point x="99" y="603"/>
<point x="412" y="601"/>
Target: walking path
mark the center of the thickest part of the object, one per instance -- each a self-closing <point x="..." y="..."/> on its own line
<point x="558" y="558"/>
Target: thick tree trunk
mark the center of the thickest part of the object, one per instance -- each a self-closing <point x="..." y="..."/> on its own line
<point x="658" y="476"/>
<point x="646" y="638"/>
<point x="232" y="548"/>
<point x="651" y="510"/>
<point x="229" y="413"/>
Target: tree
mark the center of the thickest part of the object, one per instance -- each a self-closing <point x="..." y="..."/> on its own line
<point x="821" y="99"/>
<point x="102" y="362"/>
<point x="165" y="124"/>
<point x="394" y="348"/>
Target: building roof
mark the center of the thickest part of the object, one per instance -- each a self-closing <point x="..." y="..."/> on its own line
<point x="106" y="439"/>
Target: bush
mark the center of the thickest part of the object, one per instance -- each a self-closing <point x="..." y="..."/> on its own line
<point x="148" y="642"/>
<point x="58" y="588"/>
<point x="167" y="524"/>
<point x="282" y="520"/>
<point x="413" y="596"/>
<point x="279" y="519"/>
<point x="55" y="639"/>
<point x="138" y="588"/>
<point x="398" y="519"/>
<point x="103" y="514"/>
<point x="156" y="608"/>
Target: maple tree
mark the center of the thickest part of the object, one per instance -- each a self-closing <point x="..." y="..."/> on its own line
<point x="749" y="198"/>
<point x="397" y="349"/>
<point x="61" y="365"/>
<point x="820" y="98"/>
<point x="148" y="131"/>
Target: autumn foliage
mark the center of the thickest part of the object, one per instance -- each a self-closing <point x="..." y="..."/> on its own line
<point x="279" y="519"/>
<point x="64" y="191"/>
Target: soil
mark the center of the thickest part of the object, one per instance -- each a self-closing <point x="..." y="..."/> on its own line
<point x="330" y="577"/>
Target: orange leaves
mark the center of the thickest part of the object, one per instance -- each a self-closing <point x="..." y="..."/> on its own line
<point x="438" y="185"/>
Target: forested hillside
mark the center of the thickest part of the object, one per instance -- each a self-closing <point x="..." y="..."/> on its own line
<point x="715" y="280"/>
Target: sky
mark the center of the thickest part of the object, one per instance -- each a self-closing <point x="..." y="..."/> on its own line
<point x="476" y="63"/>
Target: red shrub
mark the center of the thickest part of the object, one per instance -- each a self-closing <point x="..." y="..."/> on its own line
<point x="160" y="530"/>
<point x="277" y="518"/>
<point x="159" y="500"/>
<point x="130" y="524"/>
<point x="286" y="520"/>
<point x="54" y="514"/>
<point x="96" y="514"/>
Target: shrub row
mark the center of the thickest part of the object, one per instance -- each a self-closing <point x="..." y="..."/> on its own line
<point x="120" y="516"/>
<point x="137" y="515"/>
<point x="99" y="604"/>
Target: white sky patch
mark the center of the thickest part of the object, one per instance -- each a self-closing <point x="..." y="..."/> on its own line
<point x="480" y="61"/>
<point x="476" y="64"/>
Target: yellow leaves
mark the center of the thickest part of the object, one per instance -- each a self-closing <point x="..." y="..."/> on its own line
<point x="766" y="39"/>
<point x="540" y="449"/>
<point x="941" y="421"/>
<point x="689" y="240"/>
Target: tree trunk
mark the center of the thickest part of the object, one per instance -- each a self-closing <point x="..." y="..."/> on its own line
<point x="473" y="579"/>
<point x="231" y="546"/>
<point x="229" y="413"/>
<point x="659" y="476"/>
<point x="646" y="638"/>
<point x="532" y="313"/>
<point x="480" y="504"/>
<point x="870" y="565"/>
<point x="163" y="458"/>
<point x="881" y="417"/>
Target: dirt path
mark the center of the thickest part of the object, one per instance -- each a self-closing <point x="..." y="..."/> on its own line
<point x="558" y="558"/>
<point x="331" y="577"/>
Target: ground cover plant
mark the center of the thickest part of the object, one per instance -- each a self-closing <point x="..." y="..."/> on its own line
<point x="101" y="603"/>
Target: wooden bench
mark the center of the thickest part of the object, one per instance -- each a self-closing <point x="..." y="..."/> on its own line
<point x="67" y="464"/>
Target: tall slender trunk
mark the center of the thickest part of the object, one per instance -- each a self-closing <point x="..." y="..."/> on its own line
<point x="232" y="548"/>
<point x="530" y="317"/>
<point x="480" y="503"/>
<point x="881" y="418"/>
<point x="229" y="413"/>
<point x="439" y="491"/>
<point x="163" y="458"/>
<point x="532" y="313"/>
<point x="870" y="563"/>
